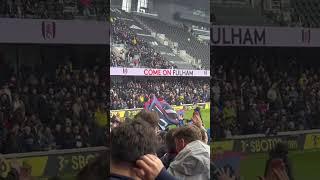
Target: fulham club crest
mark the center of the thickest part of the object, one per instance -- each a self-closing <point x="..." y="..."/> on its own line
<point x="125" y="71"/>
<point x="306" y="36"/>
<point x="48" y="30"/>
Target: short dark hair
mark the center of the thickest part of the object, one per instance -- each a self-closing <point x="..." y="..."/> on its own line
<point x="188" y="133"/>
<point x="131" y="140"/>
<point x="151" y="117"/>
<point x="171" y="145"/>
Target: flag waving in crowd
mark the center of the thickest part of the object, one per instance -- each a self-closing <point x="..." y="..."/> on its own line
<point x="168" y="116"/>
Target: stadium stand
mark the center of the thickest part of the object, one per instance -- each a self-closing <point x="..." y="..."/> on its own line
<point x="266" y="13"/>
<point x="53" y="101"/>
<point x="267" y="97"/>
<point x="63" y="9"/>
<point x="233" y="12"/>
<point x="128" y="92"/>
<point x="135" y="31"/>
<point x="239" y="15"/>
<point x="306" y="12"/>
<point x="183" y="36"/>
<point x="148" y="57"/>
<point x="43" y="107"/>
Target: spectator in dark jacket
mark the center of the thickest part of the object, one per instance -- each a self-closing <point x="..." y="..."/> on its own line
<point x="13" y="141"/>
<point x="171" y="149"/>
<point x="86" y="136"/>
<point x="129" y="142"/>
<point x="68" y="139"/>
<point x="58" y="134"/>
<point x="29" y="140"/>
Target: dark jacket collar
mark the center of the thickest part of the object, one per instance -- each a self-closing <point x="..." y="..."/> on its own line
<point x="119" y="177"/>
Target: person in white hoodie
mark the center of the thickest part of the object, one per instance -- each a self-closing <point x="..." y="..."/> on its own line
<point x="193" y="159"/>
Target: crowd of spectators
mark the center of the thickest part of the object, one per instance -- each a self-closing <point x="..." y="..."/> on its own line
<point x="138" y="150"/>
<point x="268" y="96"/>
<point x="137" y="52"/>
<point x="184" y="35"/>
<point x="43" y="109"/>
<point x="61" y="9"/>
<point x="129" y="92"/>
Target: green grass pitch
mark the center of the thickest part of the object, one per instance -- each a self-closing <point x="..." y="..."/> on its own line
<point x="205" y="113"/>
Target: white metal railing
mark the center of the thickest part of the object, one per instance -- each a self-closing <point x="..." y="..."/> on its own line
<point x="53" y="152"/>
<point x="231" y="3"/>
<point x="278" y="134"/>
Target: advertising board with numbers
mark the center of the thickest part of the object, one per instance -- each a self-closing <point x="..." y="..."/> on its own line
<point x="53" y="163"/>
<point x="297" y="140"/>
<point x="265" y="144"/>
<point x="312" y="141"/>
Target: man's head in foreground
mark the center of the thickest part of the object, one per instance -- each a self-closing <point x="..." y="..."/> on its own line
<point x="152" y="118"/>
<point x="129" y="142"/>
<point x="193" y="158"/>
<point x="185" y="135"/>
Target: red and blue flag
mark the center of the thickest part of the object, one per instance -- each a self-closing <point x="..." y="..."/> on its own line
<point x="168" y="116"/>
